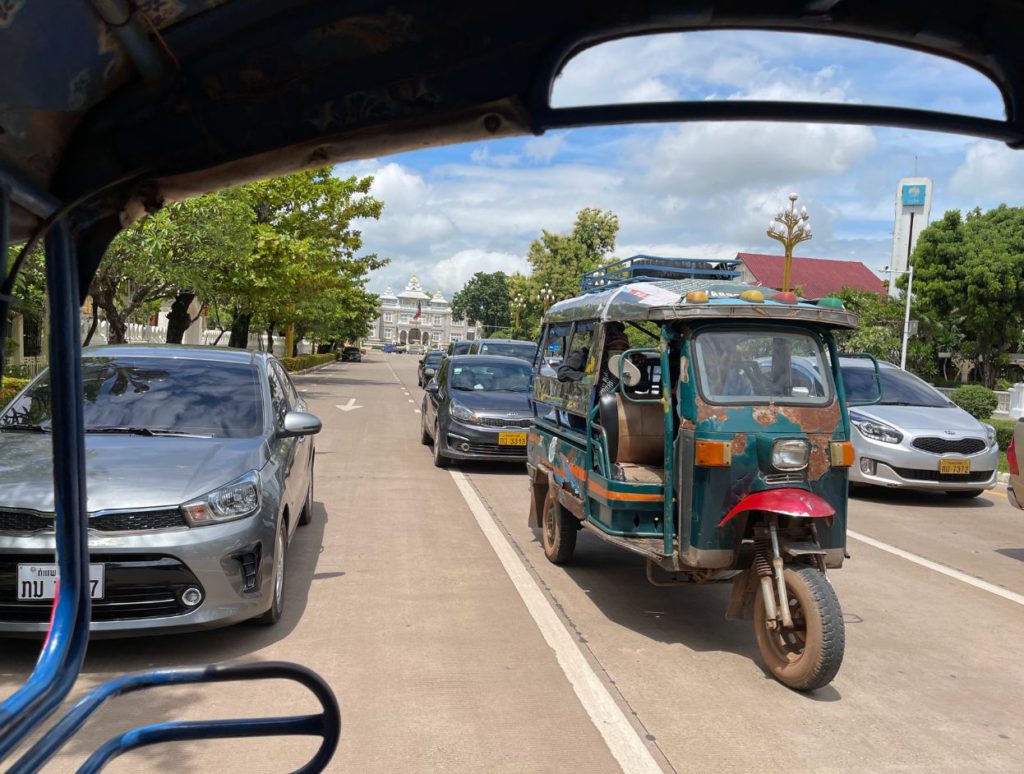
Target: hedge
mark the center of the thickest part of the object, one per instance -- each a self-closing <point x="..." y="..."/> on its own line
<point x="976" y="400"/>
<point x="302" y="362"/>
<point x="1004" y="431"/>
<point x="9" y="387"/>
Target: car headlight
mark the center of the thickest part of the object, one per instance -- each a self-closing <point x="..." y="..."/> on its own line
<point x="461" y="413"/>
<point x="991" y="433"/>
<point x="875" y="430"/>
<point x="790" y="454"/>
<point x="428" y="371"/>
<point x="232" y="501"/>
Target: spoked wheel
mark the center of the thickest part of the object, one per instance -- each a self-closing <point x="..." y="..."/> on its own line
<point x="559" y="528"/>
<point x="809" y="655"/>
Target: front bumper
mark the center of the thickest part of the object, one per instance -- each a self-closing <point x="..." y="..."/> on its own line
<point x="902" y="466"/>
<point x="472" y="442"/>
<point x="147" y="572"/>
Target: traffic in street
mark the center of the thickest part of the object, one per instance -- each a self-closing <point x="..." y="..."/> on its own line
<point x="425" y="600"/>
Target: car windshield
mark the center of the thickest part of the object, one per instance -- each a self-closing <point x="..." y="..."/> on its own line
<point x="759" y="367"/>
<point x="154" y="396"/>
<point x="522" y="350"/>
<point x="433" y="358"/>
<point x="899" y="388"/>
<point x="491" y="377"/>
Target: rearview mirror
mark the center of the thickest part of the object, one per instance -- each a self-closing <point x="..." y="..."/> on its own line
<point x="628" y="373"/>
<point x="432" y="387"/>
<point x="298" y="423"/>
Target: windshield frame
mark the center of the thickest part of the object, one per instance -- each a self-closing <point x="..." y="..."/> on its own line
<point x="700" y="372"/>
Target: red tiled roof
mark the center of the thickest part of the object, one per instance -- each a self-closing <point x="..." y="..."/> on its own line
<point x="815" y="277"/>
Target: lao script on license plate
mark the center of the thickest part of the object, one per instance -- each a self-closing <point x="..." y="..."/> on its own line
<point x="39" y="581"/>
<point x="955" y="467"/>
<point x="512" y="439"/>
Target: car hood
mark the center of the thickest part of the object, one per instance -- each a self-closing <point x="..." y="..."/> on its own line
<point x="925" y="418"/>
<point x="126" y="471"/>
<point x="493" y="403"/>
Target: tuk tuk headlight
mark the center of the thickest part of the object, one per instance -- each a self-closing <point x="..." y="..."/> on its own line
<point x="790" y="454"/>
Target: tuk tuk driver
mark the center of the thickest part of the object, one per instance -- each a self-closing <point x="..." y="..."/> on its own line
<point x="575" y="365"/>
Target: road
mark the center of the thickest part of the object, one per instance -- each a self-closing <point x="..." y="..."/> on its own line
<point x="453" y="645"/>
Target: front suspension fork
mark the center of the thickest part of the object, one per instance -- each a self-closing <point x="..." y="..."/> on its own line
<point x="769" y="566"/>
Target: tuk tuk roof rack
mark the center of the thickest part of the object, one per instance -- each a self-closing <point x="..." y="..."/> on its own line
<point x="652" y="268"/>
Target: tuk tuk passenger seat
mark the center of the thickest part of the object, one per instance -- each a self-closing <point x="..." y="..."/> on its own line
<point x="636" y="439"/>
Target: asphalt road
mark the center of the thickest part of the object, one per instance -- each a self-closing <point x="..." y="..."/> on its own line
<point x="453" y="645"/>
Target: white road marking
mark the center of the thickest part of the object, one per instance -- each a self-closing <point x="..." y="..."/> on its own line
<point x="622" y="739"/>
<point x="940" y="568"/>
<point x="411" y="400"/>
<point x="415" y="411"/>
<point x="350" y="406"/>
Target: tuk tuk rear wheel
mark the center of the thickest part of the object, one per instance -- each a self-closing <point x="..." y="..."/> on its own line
<point x="809" y="655"/>
<point x="558" y="532"/>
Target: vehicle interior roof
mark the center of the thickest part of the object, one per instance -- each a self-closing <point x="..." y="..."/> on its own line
<point x="136" y="104"/>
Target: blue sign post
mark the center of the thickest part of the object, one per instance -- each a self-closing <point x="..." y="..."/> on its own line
<point x="913" y="195"/>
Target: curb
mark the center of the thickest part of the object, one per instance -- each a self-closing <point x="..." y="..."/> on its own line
<point x="1003" y="478"/>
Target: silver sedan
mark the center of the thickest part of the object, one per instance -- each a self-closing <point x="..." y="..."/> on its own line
<point x="915" y="437"/>
<point x="199" y="470"/>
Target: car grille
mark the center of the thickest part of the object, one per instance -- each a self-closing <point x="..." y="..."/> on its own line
<point x="944" y="478"/>
<point x="27" y="521"/>
<point x="497" y="450"/>
<point x="504" y="422"/>
<point x="136" y="586"/>
<point x="24" y="521"/>
<point x="946" y="445"/>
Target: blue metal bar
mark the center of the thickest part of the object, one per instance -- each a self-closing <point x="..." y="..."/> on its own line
<point x="667" y="520"/>
<point x="327" y="724"/>
<point x="26" y="196"/>
<point x="64" y="650"/>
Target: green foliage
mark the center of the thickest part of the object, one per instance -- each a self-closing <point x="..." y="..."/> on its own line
<point x="969" y="274"/>
<point x="9" y="387"/>
<point x="976" y="400"/>
<point x="302" y="362"/>
<point x="1004" y="431"/>
<point x="559" y="260"/>
<point x="484" y="298"/>
<point x="881" y="332"/>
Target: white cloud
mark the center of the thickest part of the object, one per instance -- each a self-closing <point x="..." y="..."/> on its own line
<point x="990" y="172"/>
<point x="544" y="149"/>
<point x="455" y="271"/>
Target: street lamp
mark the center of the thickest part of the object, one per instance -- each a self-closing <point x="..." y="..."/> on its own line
<point x="906" y="313"/>
<point x="790" y="228"/>
<point x="518" y="304"/>
<point x="546" y="296"/>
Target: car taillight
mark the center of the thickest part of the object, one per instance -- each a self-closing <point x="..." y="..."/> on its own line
<point x="1011" y="457"/>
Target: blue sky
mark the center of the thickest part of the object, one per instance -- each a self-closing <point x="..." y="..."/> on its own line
<point x="701" y="190"/>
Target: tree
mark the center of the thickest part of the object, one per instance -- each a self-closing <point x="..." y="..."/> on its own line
<point x="880" y="332"/>
<point x="560" y="260"/>
<point x="485" y="298"/>
<point x="971" y="271"/>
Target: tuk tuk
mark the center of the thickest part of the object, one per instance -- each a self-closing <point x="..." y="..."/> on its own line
<point x="716" y="444"/>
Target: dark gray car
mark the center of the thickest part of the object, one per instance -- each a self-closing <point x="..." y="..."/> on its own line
<point x="478" y="408"/>
<point x="524" y="350"/>
<point x="199" y="470"/>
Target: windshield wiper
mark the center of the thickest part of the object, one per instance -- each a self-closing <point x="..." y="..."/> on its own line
<point x="24" y="429"/>
<point x="145" y="431"/>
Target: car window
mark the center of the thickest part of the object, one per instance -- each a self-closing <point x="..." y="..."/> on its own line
<point x="291" y="394"/>
<point x="899" y="388"/>
<point x="198" y="397"/>
<point x="278" y="396"/>
<point x="522" y="350"/>
<point x="510" y="377"/>
<point x="554" y="343"/>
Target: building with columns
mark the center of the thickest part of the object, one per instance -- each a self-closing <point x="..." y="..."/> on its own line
<point x="415" y="316"/>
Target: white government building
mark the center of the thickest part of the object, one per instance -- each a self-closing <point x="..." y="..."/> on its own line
<point x="397" y="321"/>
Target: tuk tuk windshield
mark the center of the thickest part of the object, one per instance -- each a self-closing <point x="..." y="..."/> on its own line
<point x="759" y="366"/>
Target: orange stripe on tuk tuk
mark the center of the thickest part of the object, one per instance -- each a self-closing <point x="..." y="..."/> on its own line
<point x="623" y="496"/>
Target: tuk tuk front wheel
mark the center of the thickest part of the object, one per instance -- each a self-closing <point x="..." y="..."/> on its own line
<point x="558" y="530"/>
<point x="809" y="655"/>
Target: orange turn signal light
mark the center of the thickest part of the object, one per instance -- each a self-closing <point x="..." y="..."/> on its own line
<point x="842" y="454"/>
<point x="713" y="454"/>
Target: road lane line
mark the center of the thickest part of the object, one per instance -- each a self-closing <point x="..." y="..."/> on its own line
<point x="940" y="568"/>
<point x="622" y="739"/>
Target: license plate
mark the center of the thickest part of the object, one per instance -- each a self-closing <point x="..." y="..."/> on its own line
<point x="955" y="467"/>
<point x="39" y="581"/>
<point x="512" y="439"/>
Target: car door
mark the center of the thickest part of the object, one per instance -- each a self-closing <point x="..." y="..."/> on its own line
<point x="433" y="398"/>
<point x="289" y="454"/>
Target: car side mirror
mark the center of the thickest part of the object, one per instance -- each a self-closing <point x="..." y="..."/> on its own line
<point x="432" y="387"/>
<point x="297" y="423"/>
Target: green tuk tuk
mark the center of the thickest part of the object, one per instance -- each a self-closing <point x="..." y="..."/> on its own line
<point x="716" y="445"/>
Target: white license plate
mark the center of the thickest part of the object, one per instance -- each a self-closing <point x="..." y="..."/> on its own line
<point x="39" y="581"/>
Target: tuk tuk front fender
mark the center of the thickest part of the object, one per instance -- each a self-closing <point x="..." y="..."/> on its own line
<point x="788" y="502"/>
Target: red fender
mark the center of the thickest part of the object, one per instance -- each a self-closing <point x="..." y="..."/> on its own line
<point x="788" y="502"/>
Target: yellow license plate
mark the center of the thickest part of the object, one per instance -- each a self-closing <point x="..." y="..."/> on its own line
<point x="512" y="439"/>
<point x="955" y="467"/>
